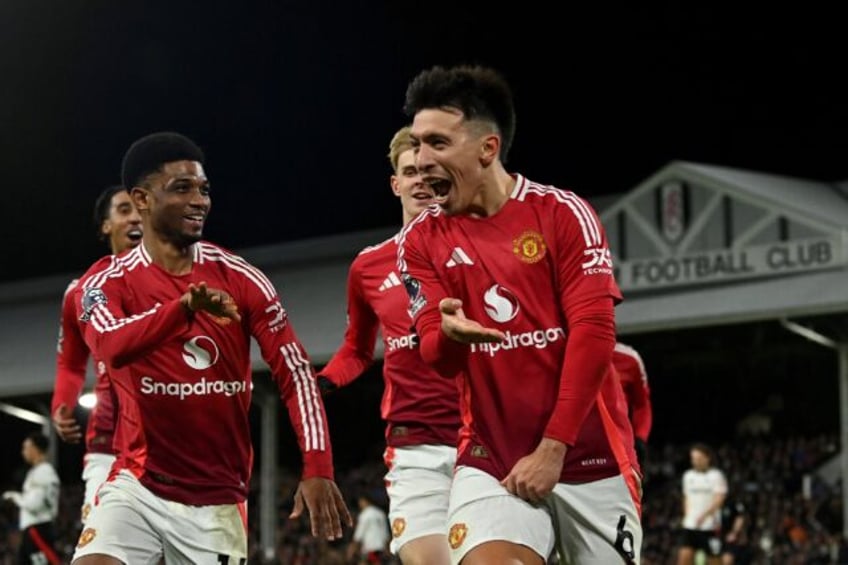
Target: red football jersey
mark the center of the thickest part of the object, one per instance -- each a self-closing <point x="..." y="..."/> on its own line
<point x="419" y="406"/>
<point x="539" y="270"/>
<point x="634" y="382"/>
<point x="71" y="362"/>
<point x="184" y="381"/>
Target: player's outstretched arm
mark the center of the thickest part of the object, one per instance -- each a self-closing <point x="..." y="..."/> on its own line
<point x="356" y="352"/>
<point x="118" y="337"/>
<point x="13" y="496"/>
<point x="327" y="510"/>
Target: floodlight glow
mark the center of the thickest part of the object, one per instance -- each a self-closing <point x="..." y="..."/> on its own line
<point x="88" y="400"/>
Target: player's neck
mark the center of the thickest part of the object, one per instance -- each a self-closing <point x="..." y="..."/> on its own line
<point x="493" y="194"/>
<point x="175" y="259"/>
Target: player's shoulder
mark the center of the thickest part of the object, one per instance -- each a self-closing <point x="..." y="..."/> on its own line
<point x="112" y="268"/>
<point x="387" y="245"/>
<point x="373" y="255"/>
<point x="102" y="264"/>
<point x="715" y="473"/>
<point x="428" y="220"/>
<point x="71" y="286"/>
<point x="532" y="192"/>
<point x="206" y="249"/>
<point x="216" y="257"/>
<point x="45" y="473"/>
<point x="624" y="350"/>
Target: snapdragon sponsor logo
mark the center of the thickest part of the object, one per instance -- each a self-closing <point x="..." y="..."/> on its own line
<point x="203" y="387"/>
<point x="403" y="342"/>
<point x="501" y="304"/>
<point x="539" y="339"/>
<point x="200" y="352"/>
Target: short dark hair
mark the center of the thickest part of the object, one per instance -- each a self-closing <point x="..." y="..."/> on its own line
<point x="102" y="206"/>
<point x="39" y="440"/>
<point x="147" y="155"/>
<point x="480" y="93"/>
<point x="705" y="449"/>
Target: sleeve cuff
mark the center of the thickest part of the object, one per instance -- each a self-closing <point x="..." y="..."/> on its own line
<point x="561" y="429"/>
<point x="318" y="465"/>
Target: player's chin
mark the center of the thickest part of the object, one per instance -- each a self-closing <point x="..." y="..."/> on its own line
<point x="448" y="208"/>
<point x="190" y="237"/>
<point x="421" y="205"/>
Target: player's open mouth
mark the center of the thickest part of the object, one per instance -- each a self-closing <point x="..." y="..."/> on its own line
<point x="423" y="196"/>
<point x="441" y="189"/>
<point x="196" y="219"/>
<point x="134" y="234"/>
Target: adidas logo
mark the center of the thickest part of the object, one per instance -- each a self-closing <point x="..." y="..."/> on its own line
<point x="458" y="257"/>
<point x="391" y="281"/>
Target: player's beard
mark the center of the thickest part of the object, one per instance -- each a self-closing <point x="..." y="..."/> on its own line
<point x="178" y="236"/>
<point x="186" y="240"/>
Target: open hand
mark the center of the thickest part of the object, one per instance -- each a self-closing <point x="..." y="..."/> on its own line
<point x="218" y="304"/>
<point x="327" y="509"/>
<point x="464" y="330"/>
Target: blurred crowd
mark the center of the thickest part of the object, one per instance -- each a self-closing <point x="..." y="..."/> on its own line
<point x="67" y="524"/>
<point x="786" y="521"/>
<point x="295" y="544"/>
<point x="790" y="520"/>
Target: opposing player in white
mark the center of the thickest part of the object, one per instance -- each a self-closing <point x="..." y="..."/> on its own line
<point x="704" y="491"/>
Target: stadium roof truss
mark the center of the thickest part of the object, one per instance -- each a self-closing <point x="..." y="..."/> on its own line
<point x="700" y="245"/>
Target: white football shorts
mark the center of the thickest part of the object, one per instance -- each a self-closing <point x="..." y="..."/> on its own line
<point x="130" y="523"/>
<point x="595" y="523"/>
<point x="418" y="484"/>
<point x="95" y="470"/>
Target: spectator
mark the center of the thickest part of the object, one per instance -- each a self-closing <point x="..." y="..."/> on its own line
<point x="704" y="491"/>
<point x="371" y="537"/>
<point x="38" y="503"/>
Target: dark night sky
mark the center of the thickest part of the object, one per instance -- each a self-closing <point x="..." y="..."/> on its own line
<point x="294" y="103"/>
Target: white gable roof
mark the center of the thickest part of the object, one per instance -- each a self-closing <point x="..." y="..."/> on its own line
<point x="819" y="209"/>
<point x="807" y="197"/>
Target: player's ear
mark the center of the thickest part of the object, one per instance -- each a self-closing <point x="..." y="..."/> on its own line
<point x="490" y="149"/>
<point x="395" y="185"/>
<point x="139" y="196"/>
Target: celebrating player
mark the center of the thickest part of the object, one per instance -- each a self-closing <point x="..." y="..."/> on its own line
<point x="512" y="281"/>
<point x="119" y="225"/>
<point x="420" y="407"/>
<point x="172" y="320"/>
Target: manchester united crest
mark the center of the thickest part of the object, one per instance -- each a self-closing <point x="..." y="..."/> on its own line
<point x="529" y="246"/>
<point x="398" y="526"/>
<point x="457" y="535"/>
<point x="86" y="536"/>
